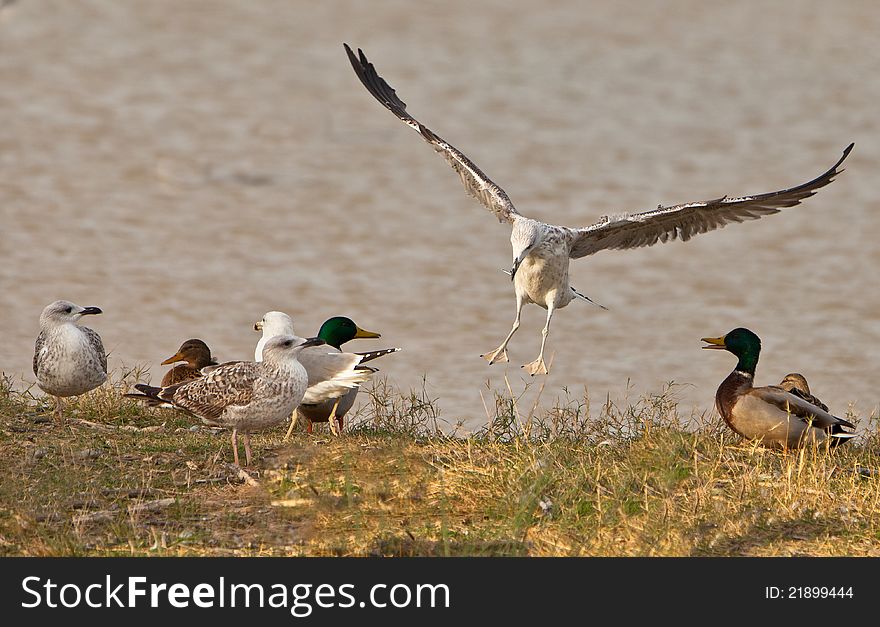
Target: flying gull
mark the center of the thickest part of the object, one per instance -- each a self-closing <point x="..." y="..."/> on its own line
<point x="69" y="360"/>
<point x="335" y="332"/>
<point x="249" y="396"/>
<point x="541" y="252"/>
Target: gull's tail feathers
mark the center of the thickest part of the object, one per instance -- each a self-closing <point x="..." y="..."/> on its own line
<point x="588" y="299"/>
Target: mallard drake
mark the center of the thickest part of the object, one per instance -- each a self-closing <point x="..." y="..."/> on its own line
<point x="335" y="332"/>
<point x="542" y="252"/>
<point x="771" y="414"/>
<point x="196" y="354"/>
<point x="69" y="360"/>
<point x="796" y="383"/>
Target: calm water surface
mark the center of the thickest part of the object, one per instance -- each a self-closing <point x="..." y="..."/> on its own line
<point x="188" y="166"/>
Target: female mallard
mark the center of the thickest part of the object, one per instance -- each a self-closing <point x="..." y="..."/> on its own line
<point x="796" y="383"/>
<point x="770" y="414"/>
<point x="196" y="354"/>
<point x="335" y="332"/>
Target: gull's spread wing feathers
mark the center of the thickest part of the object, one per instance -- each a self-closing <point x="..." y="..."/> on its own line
<point x="475" y="182"/>
<point x="689" y="219"/>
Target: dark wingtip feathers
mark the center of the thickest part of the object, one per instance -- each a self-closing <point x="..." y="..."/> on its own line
<point x="375" y="84"/>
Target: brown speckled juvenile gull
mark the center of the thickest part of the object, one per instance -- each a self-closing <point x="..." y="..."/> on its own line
<point x="251" y="396"/>
<point x="541" y="252"/>
<point x="69" y="360"/>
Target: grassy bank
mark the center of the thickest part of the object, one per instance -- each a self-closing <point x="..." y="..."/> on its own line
<point x="571" y="480"/>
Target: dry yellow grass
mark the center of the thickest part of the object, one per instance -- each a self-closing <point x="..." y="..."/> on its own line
<point x="633" y="480"/>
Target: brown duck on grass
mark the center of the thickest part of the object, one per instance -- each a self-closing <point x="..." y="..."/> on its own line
<point x="796" y="383"/>
<point x="770" y="414"/>
<point x="196" y="354"/>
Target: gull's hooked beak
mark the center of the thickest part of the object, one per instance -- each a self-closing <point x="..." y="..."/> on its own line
<point x="312" y="341"/>
<point x="515" y="267"/>
<point x="174" y="359"/>
<point x="90" y="311"/>
<point x="361" y="333"/>
<point x="258" y="325"/>
<point x="716" y="343"/>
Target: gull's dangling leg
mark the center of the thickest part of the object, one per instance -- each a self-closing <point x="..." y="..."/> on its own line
<point x="538" y="366"/>
<point x="247" y="447"/>
<point x="500" y="353"/>
<point x="294" y="418"/>
<point x="235" y="446"/>
<point x="59" y="413"/>
<point x="335" y="429"/>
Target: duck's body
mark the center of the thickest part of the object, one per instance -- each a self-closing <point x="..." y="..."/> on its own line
<point x="196" y="354"/>
<point x="69" y="360"/>
<point x="770" y="414"/>
<point x="542" y="252"/>
<point x="335" y="332"/>
<point x="245" y="396"/>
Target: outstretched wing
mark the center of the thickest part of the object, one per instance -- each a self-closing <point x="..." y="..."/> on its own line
<point x="475" y="182"/>
<point x="686" y="220"/>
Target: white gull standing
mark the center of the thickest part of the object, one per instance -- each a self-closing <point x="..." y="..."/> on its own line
<point x="541" y="252"/>
<point x="320" y="363"/>
<point x="247" y="396"/>
<point x="69" y="360"/>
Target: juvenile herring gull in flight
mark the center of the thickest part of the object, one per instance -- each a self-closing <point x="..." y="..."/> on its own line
<point x="69" y="360"/>
<point x="248" y="396"/>
<point x="541" y="252"/>
<point x="334" y="332"/>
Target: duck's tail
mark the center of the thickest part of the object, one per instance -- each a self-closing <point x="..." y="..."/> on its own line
<point x="371" y="355"/>
<point x="837" y="434"/>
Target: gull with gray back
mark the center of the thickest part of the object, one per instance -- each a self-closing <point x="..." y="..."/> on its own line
<point x="69" y="359"/>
